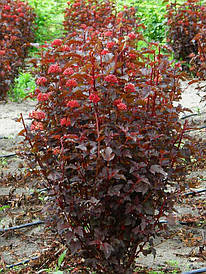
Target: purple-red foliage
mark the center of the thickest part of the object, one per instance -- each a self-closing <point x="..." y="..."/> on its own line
<point x="88" y="13"/>
<point x="185" y="24"/>
<point x="98" y="15"/>
<point x="16" y="24"/>
<point x="198" y="59"/>
<point x="108" y="140"/>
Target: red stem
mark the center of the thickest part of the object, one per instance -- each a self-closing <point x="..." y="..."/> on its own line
<point x="98" y="132"/>
<point x="180" y="140"/>
<point x="62" y="162"/>
<point x="35" y="154"/>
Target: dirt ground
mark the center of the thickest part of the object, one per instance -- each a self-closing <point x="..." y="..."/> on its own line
<point x="180" y="247"/>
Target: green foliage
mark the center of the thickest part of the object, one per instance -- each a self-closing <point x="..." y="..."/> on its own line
<point x="4" y="207"/>
<point x="61" y="258"/>
<point x="49" y="18"/>
<point x="23" y="85"/>
<point x="3" y="163"/>
<point x="152" y="14"/>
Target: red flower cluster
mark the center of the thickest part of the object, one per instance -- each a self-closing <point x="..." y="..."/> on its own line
<point x="39" y="115"/>
<point x="77" y="4"/>
<point x="122" y="106"/>
<point x="68" y="71"/>
<point x="41" y="81"/>
<point x="73" y="104"/>
<point x="83" y="26"/>
<point x="104" y="52"/>
<point x="94" y="98"/>
<point x="7" y="7"/>
<point x="117" y="102"/>
<point x="56" y="151"/>
<point x="129" y="87"/>
<point x="65" y="48"/>
<point x="41" y="97"/>
<point x="57" y="42"/>
<point x="65" y="122"/>
<point x="132" y="35"/>
<point x="2" y="52"/>
<point x="54" y="69"/>
<point x="111" y="79"/>
<point x="36" y="126"/>
<point x="108" y="33"/>
<point x="19" y="10"/>
<point x="132" y="55"/>
<point x="110" y="45"/>
<point x="71" y="83"/>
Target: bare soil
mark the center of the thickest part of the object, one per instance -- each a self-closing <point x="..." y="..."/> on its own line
<point x="179" y="247"/>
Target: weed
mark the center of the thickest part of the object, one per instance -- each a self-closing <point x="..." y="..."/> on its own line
<point x="173" y="263"/>
<point x="24" y="84"/>
<point x="3" y="162"/>
<point x="4" y="207"/>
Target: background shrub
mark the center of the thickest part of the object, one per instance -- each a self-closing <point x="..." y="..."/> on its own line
<point x="16" y="24"/>
<point x="49" y="17"/>
<point x="88" y="13"/>
<point x="185" y="22"/>
<point x="152" y="15"/>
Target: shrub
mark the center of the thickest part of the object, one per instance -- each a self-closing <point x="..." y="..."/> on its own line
<point x="88" y="13"/>
<point x="99" y="15"/>
<point x="198" y="59"/>
<point x="16" y="23"/>
<point x="107" y="138"/>
<point x="185" y="21"/>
